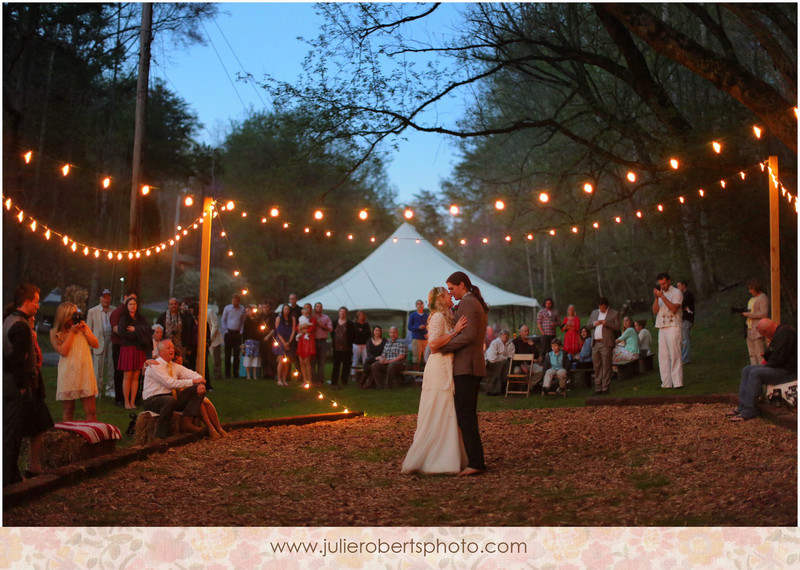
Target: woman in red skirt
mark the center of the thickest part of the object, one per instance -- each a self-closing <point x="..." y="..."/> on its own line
<point x="136" y="339"/>
<point x="306" y="345"/>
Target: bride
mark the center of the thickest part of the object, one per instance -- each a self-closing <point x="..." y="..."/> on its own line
<point x="437" y="446"/>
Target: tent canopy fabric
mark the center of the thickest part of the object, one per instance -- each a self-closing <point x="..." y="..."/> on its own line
<point x="401" y="270"/>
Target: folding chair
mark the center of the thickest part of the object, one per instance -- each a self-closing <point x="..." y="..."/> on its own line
<point x="516" y="381"/>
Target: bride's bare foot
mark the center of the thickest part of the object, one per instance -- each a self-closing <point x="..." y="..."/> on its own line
<point x="469" y="471"/>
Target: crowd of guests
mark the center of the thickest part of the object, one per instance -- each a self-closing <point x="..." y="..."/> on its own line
<point x="154" y="366"/>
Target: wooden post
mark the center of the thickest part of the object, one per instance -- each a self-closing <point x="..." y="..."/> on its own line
<point x="205" y="268"/>
<point x="134" y="237"/>
<point x="774" y="240"/>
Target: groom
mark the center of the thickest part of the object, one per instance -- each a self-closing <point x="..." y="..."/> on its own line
<point x="469" y="366"/>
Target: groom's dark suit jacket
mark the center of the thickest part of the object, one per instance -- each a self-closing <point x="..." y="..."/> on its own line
<point x="467" y="347"/>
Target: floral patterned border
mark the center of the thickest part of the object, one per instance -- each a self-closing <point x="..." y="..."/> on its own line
<point x="245" y="548"/>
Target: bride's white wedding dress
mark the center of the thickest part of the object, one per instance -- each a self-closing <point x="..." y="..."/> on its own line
<point x="437" y="446"/>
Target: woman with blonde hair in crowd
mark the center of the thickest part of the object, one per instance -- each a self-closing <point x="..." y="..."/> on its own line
<point x="437" y="446"/>
<point x="73" y="340"/>
<point x="306" y="345"/>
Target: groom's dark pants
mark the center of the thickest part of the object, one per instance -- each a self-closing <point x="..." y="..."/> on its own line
<point x="466" y="401"/>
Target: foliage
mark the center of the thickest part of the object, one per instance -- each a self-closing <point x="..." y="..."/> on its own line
<point x="558" y="95"/>
<point x="69" y="96"/>
<point x="277" y="158"/>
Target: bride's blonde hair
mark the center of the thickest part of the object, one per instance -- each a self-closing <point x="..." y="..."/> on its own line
<point x="436" y="305"/>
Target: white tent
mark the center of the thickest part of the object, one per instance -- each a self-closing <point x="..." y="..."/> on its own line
<point x="401" y="270"/>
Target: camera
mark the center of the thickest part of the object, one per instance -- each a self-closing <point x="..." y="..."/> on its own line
<point x="77" y="318"/>
<point x="738" y="309"/>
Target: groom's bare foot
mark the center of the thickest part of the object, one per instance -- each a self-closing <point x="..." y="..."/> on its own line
<point x="469" y="471"/>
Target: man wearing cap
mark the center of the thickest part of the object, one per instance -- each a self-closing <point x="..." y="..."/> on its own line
<point x="98" y="319"/>
<point x="780" y="365"/>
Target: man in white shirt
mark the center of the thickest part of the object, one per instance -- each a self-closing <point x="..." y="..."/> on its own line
<point x="604" y="327"/>
<point x="498" y="356"/>
<point x="160" y="380"/>
<point x="232" y="324"/>
<point x="97" y="319"/>
<point x="216" y="340"/>
<point x="667" y="307"/>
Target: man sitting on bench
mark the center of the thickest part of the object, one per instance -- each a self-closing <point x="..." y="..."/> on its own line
<point x="780" y="366"/>
<point x="159" y="381"/>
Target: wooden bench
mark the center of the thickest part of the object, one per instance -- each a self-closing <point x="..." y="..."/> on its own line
<point x="627" y="370"/>
<point x="416" y="375"/>
<point x="585" y="375"/>
<point x="645" y="363"/>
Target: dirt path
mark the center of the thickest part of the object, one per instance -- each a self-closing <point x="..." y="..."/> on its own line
<point x="631" y="466"/>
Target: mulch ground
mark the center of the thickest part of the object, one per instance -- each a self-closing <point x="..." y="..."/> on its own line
<point x="669" y="465"/>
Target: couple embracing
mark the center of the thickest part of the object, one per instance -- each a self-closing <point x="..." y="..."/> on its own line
<point x="447" y="439"/>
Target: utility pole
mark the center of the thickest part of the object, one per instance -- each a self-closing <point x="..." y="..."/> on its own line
<point x="134" y="237"/>
<point x="205" y="268"/>
<point x="774" y="240"/>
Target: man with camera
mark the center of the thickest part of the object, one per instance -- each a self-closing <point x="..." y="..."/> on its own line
<point x="667" y="304"/>
<point x="780" y="365"/>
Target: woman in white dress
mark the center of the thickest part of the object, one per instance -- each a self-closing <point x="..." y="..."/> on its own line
<point x="437" y="446"/>
<point x="72" y="340"/>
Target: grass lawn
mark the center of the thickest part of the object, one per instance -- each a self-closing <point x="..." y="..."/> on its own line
<point x="718" y="354"/>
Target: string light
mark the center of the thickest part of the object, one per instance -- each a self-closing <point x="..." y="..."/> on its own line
<point x="552" y="232"/>
<point x="33" y="226"/>
<point x="145" y="190"/>
<point x="596" y="225"/>
<point x="674" y="163"/>
<point x="439" y="243"/>
<point x="65" y="169"/>
<point x="363" y="215"/>
<point x="660" y="208"/>
<point x="618" y="219"/>
<point x="318" y="215"/>
<point x="229" y="205"/>
<point x="409" y="213"/>
<point x="588" y="188"/>
<point x="106" y="182"/>
<point x="263" y="220"/>
<point x="530" y="237"/>
<point x="574" y="229"/>
<point x="463" y="242"/>
<point x="638" y="214"/>
<point x="188" y="201"/>
<point x="28" y="156"/>
<point x="701" y="192"/>
<point x="499" y="205"/>
<point x="274" y="212"/>
<point x="717" y="147"/>
<point x="244" y="214"/>
<point x="454" y="210"/>
<point x="631" y="176"/>
<point x="8" y="204"/>
<point x="508" y="238"/>
<point x="485" y="240"/>
<point x="722" y="183"/>
<point x="757" y="131"/>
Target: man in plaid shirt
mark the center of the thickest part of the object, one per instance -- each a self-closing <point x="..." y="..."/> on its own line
<point x="386" y="370"/>
<point x="547" y="321"/>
